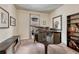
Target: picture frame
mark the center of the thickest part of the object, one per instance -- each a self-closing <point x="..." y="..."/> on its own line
<point x="35" y="19"/>
<point x="12" y="21"/>
<point x="4" y="18"/>
<point x="57" y="22"/>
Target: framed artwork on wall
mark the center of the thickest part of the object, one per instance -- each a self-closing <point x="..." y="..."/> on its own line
<point x="35" y="19"/>
<point x="44" y="22"/>
<point x="4" y="18"/>
<point x="57" y="22"/>
<point x="12" y="21"/>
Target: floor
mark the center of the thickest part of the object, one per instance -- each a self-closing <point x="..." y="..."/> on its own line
<point x="29" y="47"/>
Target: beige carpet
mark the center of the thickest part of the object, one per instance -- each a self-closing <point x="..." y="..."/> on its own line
<point x="29" y="47"/>
<point x="60" y="49"/>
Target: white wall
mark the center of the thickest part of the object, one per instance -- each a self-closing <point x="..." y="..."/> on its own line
<point x="23" y="22"/>
<point x="64" y="10"/>
<point x="6" y="33"/>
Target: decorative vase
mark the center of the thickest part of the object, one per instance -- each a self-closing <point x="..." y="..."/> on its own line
<point x="72" y="30"/>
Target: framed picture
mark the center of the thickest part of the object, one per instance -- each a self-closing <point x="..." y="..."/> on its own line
<point x="4" y="18"/>
<point x="44" y="22"/>
<point x="35" y="19"/>
<point x="12" y="21"/>
<point x="57" y="22"/>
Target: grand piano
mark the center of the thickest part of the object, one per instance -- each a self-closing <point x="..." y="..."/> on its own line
<point x="47" y="36"/>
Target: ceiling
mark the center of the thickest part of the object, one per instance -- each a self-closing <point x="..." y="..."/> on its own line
<point x="46" y="8"/>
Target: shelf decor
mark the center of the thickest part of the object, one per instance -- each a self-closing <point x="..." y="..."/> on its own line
<point x="57" y="22"/>
<point x="4" y="18"/>
<point x="12" y="21"/>
<point x="72" y="29"/>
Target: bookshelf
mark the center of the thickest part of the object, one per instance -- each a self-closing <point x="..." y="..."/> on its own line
<point x="73" y="31"/>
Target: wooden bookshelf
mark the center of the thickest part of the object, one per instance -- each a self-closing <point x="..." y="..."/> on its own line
<point x="73" y="40"/>
<point x="74" y="19"/>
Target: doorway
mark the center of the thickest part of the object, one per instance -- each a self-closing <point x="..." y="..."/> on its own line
<point x="34" y="23"/>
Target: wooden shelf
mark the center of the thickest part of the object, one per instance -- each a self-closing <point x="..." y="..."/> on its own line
<point x="72" y="23"/>
<point x="74" y="36"/>
<point x="74" y="39"/>
<point x="74" y="32"/>
<point x="73" y="19"/>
